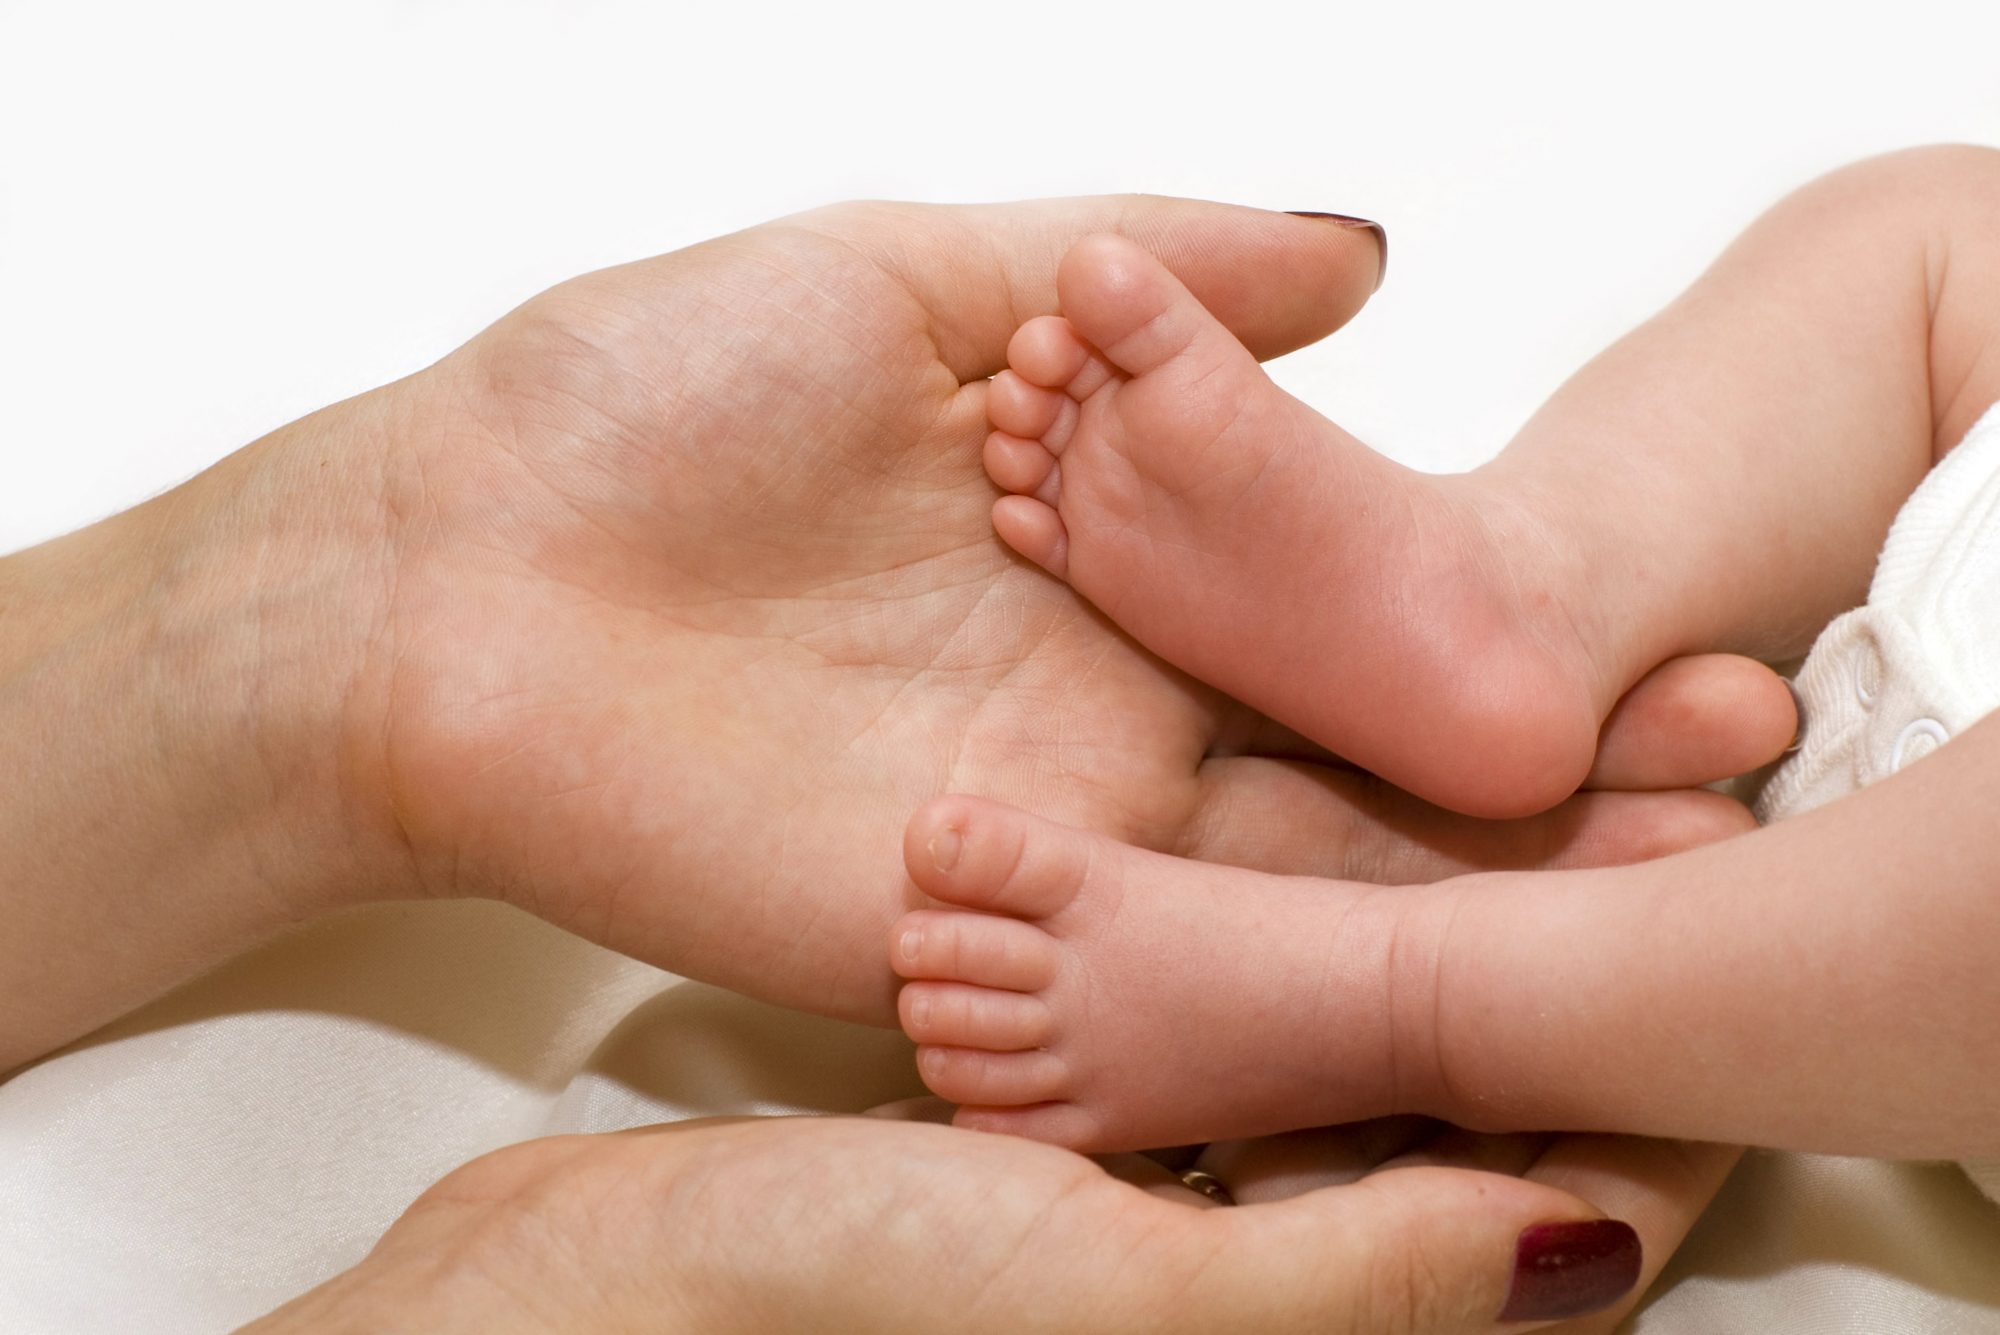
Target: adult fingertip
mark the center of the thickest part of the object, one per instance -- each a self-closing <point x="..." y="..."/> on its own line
<point x="1624" y="828"/>
<point x="1375" y="229"/>
<point x="1692" y="721"/>
<point x="1571" y="1268"/>
<point x="1437" y="1248"/>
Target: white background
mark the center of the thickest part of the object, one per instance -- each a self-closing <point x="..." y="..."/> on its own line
<point x="216" y="217"/>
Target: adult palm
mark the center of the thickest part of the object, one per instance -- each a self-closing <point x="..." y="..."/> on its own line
<point x="840" y="1224"/>
<point x="694" y="597"/>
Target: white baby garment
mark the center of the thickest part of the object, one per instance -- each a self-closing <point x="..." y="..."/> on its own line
<point x="1919" y="663"/>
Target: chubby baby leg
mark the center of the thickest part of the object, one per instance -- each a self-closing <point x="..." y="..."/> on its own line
<point x="1078" y="990"/>
<point x="1721" y="479"/>
<point x="1824" y="984"/>
<point x="1733" y="464"/>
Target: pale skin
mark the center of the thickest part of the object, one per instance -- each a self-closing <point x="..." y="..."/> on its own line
<point x="545" y="624"/>
<point x="1723" y="477"/>
<point x="891" y="1224"/>
<point x="571" y="620"/>
<point x="533" y="624"/>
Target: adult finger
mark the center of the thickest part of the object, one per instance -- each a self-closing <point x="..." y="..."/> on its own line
<point x="1300" y="819"/>
<point x="1512" y="1153"/>
<point x="1692" y="721"/>
<point x="1279" y="281"/>
<point x="1660" y="1186"/>
<point x="1429" y="1251"/>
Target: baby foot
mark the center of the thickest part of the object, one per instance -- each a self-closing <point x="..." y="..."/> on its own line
<point x="1103" y="997"/>
<point x="1418" y="626"/>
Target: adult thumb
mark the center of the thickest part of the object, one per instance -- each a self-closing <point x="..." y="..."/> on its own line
<point x="1416" y="1251"/>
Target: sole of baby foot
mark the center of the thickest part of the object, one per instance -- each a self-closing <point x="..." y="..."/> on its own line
<point x="1414" y="625"/>
<point x="1102" y="997"/>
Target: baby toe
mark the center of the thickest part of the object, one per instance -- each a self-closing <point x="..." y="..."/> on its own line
<point x="954" y="1015"/>
<point x="973" y="948"/>
<point x="1021" y="409"/>
<point x="1023" y="467"/>
<point x="987" y="855"/>
<point x="1032" y="527"/>
<point x="993" y="1079"/>
<point x="1047" y="352"/>
<point x="1125" y="303"/>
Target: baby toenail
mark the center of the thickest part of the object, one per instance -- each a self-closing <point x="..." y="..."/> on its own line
<point x="945" y="846"/>
<point x="920" y="1010"/>
<point x="932" y="1060"/>
<point x="911" y="943"/>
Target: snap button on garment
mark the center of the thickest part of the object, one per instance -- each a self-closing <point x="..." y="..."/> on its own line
<point x="1867" y="673"/>
<point x="1916" y="741"/>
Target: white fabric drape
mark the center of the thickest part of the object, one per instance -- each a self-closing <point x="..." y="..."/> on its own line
<point x="208" y="1158"/>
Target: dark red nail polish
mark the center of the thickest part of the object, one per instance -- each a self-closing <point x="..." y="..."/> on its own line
<point x="1347" y="220"/>
<point x="1565" y="1270"/>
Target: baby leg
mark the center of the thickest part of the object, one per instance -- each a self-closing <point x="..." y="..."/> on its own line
<point x="1729" y="470"/>
<point x="1731" y="467"/>
<point x="1828" y="983"/>
<point x="1721" y="478"/>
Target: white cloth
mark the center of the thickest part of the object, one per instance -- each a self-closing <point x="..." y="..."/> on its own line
<point x="1852" y="1246"/>
<point x="204" y="1160"/>
<point x="1807" y="1244"/>
<point x="1894" y="679"/>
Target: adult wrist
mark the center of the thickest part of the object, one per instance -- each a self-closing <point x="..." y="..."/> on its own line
<point x="173" y="683"/>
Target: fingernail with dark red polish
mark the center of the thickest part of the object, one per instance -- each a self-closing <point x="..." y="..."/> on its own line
<point x="1565" y="1270"/>
<point x="1346" y="220"/>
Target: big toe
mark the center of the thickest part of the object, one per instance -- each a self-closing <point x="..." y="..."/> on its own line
<point x="989" y="856"/>
<point x="1135" y="312"/>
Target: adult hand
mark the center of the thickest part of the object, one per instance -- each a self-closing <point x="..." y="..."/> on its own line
<point x="694" y="597"/>
<point x="1397" y="1225"/>
<point x="1660" y="1187"/>
<point x="656" y="610"/>
<point x="855" y="1224"/>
